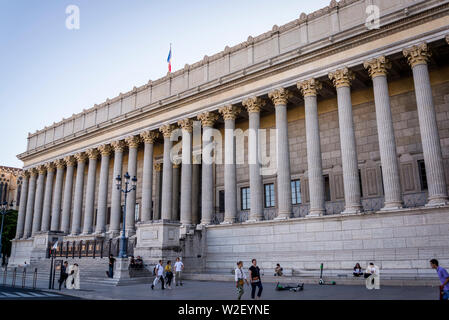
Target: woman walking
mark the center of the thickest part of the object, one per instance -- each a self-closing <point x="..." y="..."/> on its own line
<point x="240" y="279"/>
<point x="168" y="274"/>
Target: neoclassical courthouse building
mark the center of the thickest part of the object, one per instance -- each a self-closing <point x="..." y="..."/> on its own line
<point x="358" y="169"/>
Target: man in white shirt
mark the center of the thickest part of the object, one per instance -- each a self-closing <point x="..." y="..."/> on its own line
<point x="373" y="281"/>
<point x="159" y="270"/>
<point x="179" y="266"/>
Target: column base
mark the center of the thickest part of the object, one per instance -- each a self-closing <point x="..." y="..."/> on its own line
<point x="437" y="201"/>
<point x="316" y="213"/>
<point x="283" y="216"/>
<point x="353" y="210"/>
<point x="392" y="207"/>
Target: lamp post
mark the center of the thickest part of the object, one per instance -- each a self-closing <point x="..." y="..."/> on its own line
<point x="3" y="211"/>
<point x="123" y="248"/>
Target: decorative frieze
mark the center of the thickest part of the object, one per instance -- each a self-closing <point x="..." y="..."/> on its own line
<point x="229" y="112"/>
<point x="253" y="104"/>
<point x="207" y="118"/>
<point x="418" y="54"/>
<point x="149" y="136"/>
<point x="378" y="66"/>
<point x="342" y="77"/>
<point x="309" y="88"/>
<point x="186" y="124"/>
<point x="280" y="96"/>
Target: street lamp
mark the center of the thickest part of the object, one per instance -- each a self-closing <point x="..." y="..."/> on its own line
<point x="3" y="211"/>
<point x="123" y="247"/>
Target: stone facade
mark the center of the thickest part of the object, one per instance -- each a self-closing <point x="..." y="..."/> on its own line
<point x="357" y="156"/>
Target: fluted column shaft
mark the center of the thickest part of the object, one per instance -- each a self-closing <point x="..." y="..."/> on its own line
<point x="116" y="195"/>
<point x="207" y="180"/>
<point x="38" y="202"/>
<point x="196" y="192"/>
<point x="78" y="201"/>
<point x="48" y="193"/>
<point x="89" y="207"/>
<point x="102" y="206"/>
<point x="57" y="196"/>
<point x="167" y="182"/>
<point x="157" y="191"/>
<point x="418" y="57"/>
<point x="176" y="187"/>
<point x="342" y="79"/>
<point x="30" y="205"/>
<point x="147" y="179"/>
<point x="22" y="207"/>
<point x="186" y="173"/>
<point x="68" y="190"/>
<point x="131" y="200"/>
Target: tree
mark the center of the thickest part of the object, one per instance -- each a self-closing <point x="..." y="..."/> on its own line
<point x="9" y="231"/>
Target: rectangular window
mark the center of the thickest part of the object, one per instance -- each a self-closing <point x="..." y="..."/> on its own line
<point x="327" y="188"/>
<point x="269" y="196"/>
<point x="246" y="198"/>
<point x="422" y="174"/>
<point x="296" y="191"/>
<point x="221" y="201"/>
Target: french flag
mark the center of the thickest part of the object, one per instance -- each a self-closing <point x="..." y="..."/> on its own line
<point x="169" y="60"/>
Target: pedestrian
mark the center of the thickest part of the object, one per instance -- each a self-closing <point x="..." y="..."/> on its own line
<point x="372" y="275"/>
<point x="254" y="278"/>
<point x="73" y="280"/>
<point x="159" y="272"/>
<point x="64" y="274"/>
<point x="168" y="274"/>
<point x="278" y="270"/>
<point x="444" y="279"/>
<point x="240" y="279"/>
<point x="110" y="273"/>
<point x="179" y="267"/>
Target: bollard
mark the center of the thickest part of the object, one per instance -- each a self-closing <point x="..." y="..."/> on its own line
<point x="34" y="278"/>
<point x="24" y="275"/>
<point x="5" y="273"/>
<point x="14" y="278"/>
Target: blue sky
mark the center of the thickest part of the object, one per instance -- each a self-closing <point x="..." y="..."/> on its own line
<point x="49" y="72"/>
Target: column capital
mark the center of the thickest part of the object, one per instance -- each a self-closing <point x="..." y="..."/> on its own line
<point x="157" y="166"/>
<point x="81" y="157"/>
<point x="207" y="118"/>
<point x="280" y="96"/>
<point x="418" y="54"/>
<point x="342" y="77"/>
<point x="70" y="161"/>
<point x="41" y="169"/>
<point x="60" y="164"/>
<point x="25" y="173"/>
<point x="132" y="142"/>
<point x="50" y="166"/>
<point x="118" y="145"/>
<point x="176" y="165"/>
<point x="186" y="124"/>
<point x="92" y="153"/>
<point x="378" y="66"/>
<point x="149" y="136"/>
<point x="229" y="112"/>
<point x="105" y="150"/>
<point x="166" y="130"/>
<point x="33" y="172"/>
<point x="309" y="88"/>
<point x="253" y="104"/>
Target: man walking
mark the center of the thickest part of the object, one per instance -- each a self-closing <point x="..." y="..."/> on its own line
<point x="110" y="273"/>
<point x="444" y="279"/>
<point x="64" y="274"/>
<point x="179" y="267"/>
<point x="254" y="278"/>
<point x="159" y="271"/>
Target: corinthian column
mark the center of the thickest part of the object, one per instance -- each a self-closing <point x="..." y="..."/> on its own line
<point x="186" y="172"/>
<point x="149" y="137"/>
<point x="133" y="145"/>
<point x="90" y="191"/>
<point x="79" y="186"/>
<point x="167" y="175"/>
<point x="309" y="89"/>
<point x="418" y="57"/>
<point x="116" y="195"/>
<point x="56" y="205"/>
<point x="229" y="114"/>
<point x="377" y="69"/>
<point x="68" y="190"/>
<point x="46" y="211"/>
<point x="207" y="184"/>
<point x="342" y="81"/>
<point x="157" y="191"/>
<point x="280" y="99"/>
<point x="176" y="186"/>
<point x="253" y="106"/>
<point x="22" y="205"/>
<point x="102" y="204"/>
<point x="38" y="202"/>
<point x="30" y="203"/>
